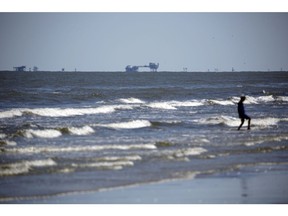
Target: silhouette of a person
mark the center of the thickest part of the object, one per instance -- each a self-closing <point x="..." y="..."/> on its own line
<point x="242" y="114"/>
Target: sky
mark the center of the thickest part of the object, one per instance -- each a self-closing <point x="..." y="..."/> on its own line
<point x="111" y="41"/>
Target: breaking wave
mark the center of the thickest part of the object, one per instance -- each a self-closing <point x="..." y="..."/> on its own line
<point x="2" y="136"/>
<point x="162" y="105"/>
<point x="279" y="138"/>
<point x="24" y="166"/>
<point x="131" y="103"/>
<point x="234" y="122"/>
<point x="79" y="131"/>
<point x="86" y="130"/>
<point x="36" y="149"/>
<point x="61" y="112"/>
<point x="47" y="133"/>
<point x="261" y="99"/>
<point x="128" y="125"/>
<point x="131" y="100"/>
<point x="114" y="163"/>
<point x="181" y="154"/>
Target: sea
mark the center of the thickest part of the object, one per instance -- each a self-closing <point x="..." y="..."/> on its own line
<point x="65" y="133"/>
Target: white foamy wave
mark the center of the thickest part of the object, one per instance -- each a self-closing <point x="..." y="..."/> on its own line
<point x="8" y="142"/>
<point x="36" y="150"/>
<point x="117" y="165"/>
<point x="125" y="158"/>
<point x="2" y="136"/>
<point x="60" y="112"/>
<point x="131" y="100"/>
<point x="162" y="105"/>
<point x="265" y="121"/>
<point x="268" y="98"/>
<point x="128" y="125"/>
<point x="266" y="139"/>
<point x="86" y="130"/>
<point x="24" y="166"/>
<point x="260" y="99"/>
<point x="111" y="162"/>
<point x="221" y="102"/>
<point x="57" y="112"/>
<point x="282" y="98"/>
<point x="41" y="163"/>
<point x="47" y="133"/>
<point x="186" y="103"/>
<point x="230" y="121"/>
<point x="233" y="122"/>
<point x="182" y="154"/>
<point x="11" y="113"/>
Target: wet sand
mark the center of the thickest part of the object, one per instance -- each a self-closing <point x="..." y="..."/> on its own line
<point x="254" y="188"/>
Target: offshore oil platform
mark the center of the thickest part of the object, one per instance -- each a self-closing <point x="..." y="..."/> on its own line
<point x="21" y="68"/>
<point x="153" y="67"/>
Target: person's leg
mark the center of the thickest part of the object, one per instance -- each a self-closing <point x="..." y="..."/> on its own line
<point x="249" y="120"/>
<point x="242" y="122"/>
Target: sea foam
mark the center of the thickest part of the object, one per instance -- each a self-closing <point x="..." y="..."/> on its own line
<point x="59" y="112"/>
<point x="233" y="122"/>
<point x="131" y="100"/>
<point x="86" y="130"/>
<point x="55" y="149"/>
<point x="24" y="166"/>
<point x="128" y="125"/>
<point x="162" y="105"/>
<point x="46" y="133"/>
<point x="182" y="154"/>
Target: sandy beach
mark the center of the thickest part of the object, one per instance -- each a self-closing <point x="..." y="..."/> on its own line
<point x="251" y="188"/>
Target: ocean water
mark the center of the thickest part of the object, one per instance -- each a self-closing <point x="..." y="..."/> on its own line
<point x="70" y="132"/>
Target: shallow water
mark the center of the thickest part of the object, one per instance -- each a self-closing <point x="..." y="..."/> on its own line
<point x="65" y="132"/>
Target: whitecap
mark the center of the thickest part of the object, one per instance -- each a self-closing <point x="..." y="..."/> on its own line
<point x="47" y="133"/>
<point x="110" y="162"/>
<point x="86" y="130"/>
<point x="128" y="125"/>
<point x="233" y="122"/>
<point x="182" y="154"/>
<point x="11" y="113"/>
<point x="265" y="99"/>
<point x="227" y="120"/>
<point x="8" y="142"/>
<point x="186" y="103"/>
<point x="122" y="158"/>
<point x="282" y="98"/>
<point x="60" y="112"/>
<point x="131" y="100"/>
<point x="41" y="163"/>
<point x="116" y="165"/>
<point x="2" y="136"/>
<point x="221" y="102"/>
<point x="24" y="166"/>
<point x="37" y="150"/>
<point x="162" y="105"/>
<point x="266" y="139"/>
<point x="265" y="121"/>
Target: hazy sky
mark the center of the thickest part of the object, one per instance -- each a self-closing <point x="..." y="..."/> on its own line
<point x="110" y="41"/>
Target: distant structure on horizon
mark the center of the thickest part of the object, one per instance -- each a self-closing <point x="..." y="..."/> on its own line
<point x="21" y="68"/>
<point x="153" y="67"/>
<point x="35" y="68"/>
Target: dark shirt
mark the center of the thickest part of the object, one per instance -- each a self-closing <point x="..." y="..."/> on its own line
<point x="241" y="110"/>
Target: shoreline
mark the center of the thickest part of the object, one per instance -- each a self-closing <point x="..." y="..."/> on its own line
<point x="249" y="188"/>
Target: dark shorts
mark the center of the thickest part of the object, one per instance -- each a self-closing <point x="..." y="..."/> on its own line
<point x="244" y="116"/>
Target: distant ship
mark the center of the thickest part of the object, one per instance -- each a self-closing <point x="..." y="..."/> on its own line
<point x="153" y="67"/>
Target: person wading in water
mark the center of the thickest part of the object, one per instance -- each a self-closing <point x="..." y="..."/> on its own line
<point x="241" y="112"/>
